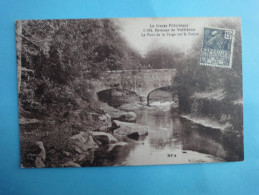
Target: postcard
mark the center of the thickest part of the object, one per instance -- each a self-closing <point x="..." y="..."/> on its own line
<point x="129" y="91"/>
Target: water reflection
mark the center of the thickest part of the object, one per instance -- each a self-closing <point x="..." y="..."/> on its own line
<point x="202" y="139"/>
<point x="171" y="140"/>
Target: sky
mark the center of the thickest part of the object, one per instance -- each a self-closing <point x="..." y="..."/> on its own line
<point x="132" y="28"/>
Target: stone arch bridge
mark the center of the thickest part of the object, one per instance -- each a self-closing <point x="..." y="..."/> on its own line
<point x="143" y="82"/>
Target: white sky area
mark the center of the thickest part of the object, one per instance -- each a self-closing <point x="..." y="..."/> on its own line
<point x="131" y="29"/>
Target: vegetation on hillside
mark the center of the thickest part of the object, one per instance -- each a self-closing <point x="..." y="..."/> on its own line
<point x="56" y="61"/>
<point x="195" y="78"/>
<point x="214" y="93"/>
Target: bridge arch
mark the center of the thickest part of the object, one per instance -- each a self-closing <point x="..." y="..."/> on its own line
<point x="142" y="82"/>
<point x="148" y="96"/>
<point x="116" y="96"/>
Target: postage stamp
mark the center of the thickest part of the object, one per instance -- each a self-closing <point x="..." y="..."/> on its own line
<point x="217" y="47"/>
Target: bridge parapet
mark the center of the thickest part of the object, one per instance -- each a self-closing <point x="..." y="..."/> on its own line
<point x="140" y="81"/>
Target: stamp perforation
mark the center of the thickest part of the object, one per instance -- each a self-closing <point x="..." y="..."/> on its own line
<point x="231" y="48"/>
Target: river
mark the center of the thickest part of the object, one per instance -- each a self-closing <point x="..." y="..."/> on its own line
<point x="171" y="140"/>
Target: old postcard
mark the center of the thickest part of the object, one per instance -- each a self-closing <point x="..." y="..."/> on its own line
<point x="129" y="91"/>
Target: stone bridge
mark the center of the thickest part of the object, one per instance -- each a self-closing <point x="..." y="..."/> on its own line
<point x="143" y="82"/>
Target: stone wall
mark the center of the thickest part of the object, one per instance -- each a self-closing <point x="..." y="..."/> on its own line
<point x="142" y="82"/>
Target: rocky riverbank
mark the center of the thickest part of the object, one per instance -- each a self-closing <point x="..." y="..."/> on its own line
<point x="75" y="139"/>
<point x="117" y="125"/>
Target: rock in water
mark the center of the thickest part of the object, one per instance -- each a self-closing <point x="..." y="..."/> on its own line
<point x="82" y="142"/>
<point x="123" y="116"/>
<point x="118" y="144"/>
<point x="129" y="116"/>
<point x="84" y="145"/>
<point x="104" y="138"/>
<point x="134" y="135"/>
<point x="129" y="129"/>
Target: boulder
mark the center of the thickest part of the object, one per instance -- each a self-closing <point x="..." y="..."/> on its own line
<point x="84" y="146"/>
<point x="126" y="116"/>
<point x="131" y="106"/>
<point x="39" y="163"/>
<point x="104" y="128"/>
<point x="102" y="137"/>
<point x="134" y="135"/>
<point x="33" y="155"/>
<point x="42" y="153"/>
<point x="83" y="142"/>
<point x="129" y="129"/>
<point x="129" y="116"/>
<point x="70" y="164"/>
<point x="104" y="120"/>
<point x="112" y="146"/>
<point x="41" y="156"/>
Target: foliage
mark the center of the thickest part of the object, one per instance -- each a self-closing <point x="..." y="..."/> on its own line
<point x="64" y="55"/>
<point x="192" y="77"/>
<point x="162" y="58"/>
<point x="59" y="59"/>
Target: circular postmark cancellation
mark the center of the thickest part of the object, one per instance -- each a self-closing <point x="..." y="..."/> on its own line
<point x="217" y="47"/>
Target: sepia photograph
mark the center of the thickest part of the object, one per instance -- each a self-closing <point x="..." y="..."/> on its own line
<point x="129" y="91"/>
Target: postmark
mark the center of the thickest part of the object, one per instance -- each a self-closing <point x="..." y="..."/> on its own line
<point x="217" y="47"/>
